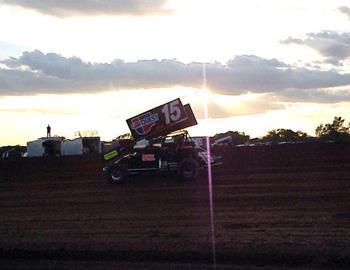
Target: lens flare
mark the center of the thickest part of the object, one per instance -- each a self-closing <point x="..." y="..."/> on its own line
<point x="210" y="179"/>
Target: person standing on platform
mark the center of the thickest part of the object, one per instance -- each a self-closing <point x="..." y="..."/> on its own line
<point x="48" y="131"/>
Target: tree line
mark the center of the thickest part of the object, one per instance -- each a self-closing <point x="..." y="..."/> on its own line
<point x="336" y="131"/>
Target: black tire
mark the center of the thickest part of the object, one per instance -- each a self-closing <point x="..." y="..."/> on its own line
<point x="116" y="175"/>
<point x="189" y="168"/>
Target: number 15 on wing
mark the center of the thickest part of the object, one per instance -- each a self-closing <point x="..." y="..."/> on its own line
<point x="172" y="111"/>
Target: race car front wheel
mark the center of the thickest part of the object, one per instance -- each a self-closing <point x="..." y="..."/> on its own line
<point x="116" y="175"/>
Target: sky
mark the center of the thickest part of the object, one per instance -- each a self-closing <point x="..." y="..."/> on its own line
<point x="90" y="65"/>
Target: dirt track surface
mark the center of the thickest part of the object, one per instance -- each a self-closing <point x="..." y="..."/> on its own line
<point x="286" y="205"/>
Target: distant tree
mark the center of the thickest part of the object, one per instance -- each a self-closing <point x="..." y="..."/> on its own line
<point x="125" y="136"/>
<point x="284" y="135"/>
<point x="237" y="137"/>
<point x="12" y="152"/>
<point x="335" y="131"/>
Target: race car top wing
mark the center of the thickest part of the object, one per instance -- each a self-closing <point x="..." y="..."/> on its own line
<point x="159" y="121"/>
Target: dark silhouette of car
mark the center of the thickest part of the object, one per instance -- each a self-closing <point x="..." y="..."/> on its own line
<point x="173" y="153"/>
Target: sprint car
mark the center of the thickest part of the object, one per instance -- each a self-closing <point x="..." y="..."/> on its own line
<point x="173" y="153"/>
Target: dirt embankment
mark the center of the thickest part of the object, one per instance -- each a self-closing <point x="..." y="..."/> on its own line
<point x="276" y="205"/>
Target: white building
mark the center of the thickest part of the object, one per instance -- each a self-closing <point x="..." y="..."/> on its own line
<point x="46" y="146"/>
<point x="82" y="145"/>
<point x="58" y="146"/>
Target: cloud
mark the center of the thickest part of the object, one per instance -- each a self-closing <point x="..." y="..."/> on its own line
<point x="314" y="95"/>
<point x="52" y="73"/>
<point x="291" y="40"/>
<point x="64" y="8"/>
<point x="333" y="46"/>
<point x="242" y="106"/>
<point x="39" y="73"/>
<point x="44" y="111"/>
<point x="214" y="110"/>
<point x="345" y="10"/>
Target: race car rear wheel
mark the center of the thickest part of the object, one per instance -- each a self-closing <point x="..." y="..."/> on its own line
<point x="189" y="168"/>
<point x="116" y="175"/>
